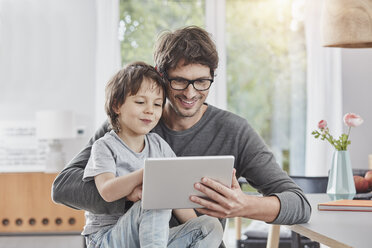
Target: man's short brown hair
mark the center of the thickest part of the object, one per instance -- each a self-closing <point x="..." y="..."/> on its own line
<point x="191" y="44"/>
<point x="127" y="82"/>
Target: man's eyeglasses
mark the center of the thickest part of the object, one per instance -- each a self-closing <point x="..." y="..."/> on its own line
<point x="182" y="83"/>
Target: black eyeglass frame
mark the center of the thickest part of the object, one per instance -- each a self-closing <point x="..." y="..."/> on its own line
<point x="190" y="82"/>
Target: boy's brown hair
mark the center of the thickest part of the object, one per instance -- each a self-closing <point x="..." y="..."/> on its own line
<point x="191" y="44"/>
<point x="127" y="82"/>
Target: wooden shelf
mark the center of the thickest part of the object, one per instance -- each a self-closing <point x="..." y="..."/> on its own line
<point x="26" y="205"/>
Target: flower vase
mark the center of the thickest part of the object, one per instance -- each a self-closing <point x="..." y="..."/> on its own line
<point x="340" y="179"/>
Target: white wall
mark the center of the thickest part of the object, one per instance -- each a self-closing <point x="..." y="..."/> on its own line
<point x="357" y="91"/>
<point x="47" y="60"/>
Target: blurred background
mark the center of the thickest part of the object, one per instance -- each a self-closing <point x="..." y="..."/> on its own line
<point x="273" y="71"/>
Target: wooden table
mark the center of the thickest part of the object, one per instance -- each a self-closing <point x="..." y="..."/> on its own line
<point x="336" y="228"/>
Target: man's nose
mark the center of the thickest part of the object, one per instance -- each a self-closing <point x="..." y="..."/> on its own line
<point x="190" y="91"/>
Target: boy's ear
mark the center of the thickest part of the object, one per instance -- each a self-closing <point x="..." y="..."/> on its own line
<point x="116" y="110"/>
<point x="115" y="107"/>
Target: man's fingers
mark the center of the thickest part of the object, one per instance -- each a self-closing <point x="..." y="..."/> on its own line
<point x="216" y="186"/>
<point x="216" y="201"/>
<point x="210" y="193"/>
<point x="207" y="204"/>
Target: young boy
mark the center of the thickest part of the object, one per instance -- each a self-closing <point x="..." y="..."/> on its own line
<point x="134" y="103"/>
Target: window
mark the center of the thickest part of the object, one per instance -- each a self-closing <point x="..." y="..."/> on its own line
<point x="142" y="20"/>
<point x="265" y="64"/>
<point x="266" y="73"/>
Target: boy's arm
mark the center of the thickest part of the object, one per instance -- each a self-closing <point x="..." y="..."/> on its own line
<point x="184" y="215"/>
<point x="69" y="189"/>
<point x="112" y="188"/>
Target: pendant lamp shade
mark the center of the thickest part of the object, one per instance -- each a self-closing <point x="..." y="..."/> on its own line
<point x="347" y="23"/>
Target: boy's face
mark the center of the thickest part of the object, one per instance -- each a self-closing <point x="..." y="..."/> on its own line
<point x="141" y="112"/>
<point x="188" y="102"/>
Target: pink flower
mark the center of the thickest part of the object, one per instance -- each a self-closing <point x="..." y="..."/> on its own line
<point x="322" y="124"/>
<point x="352" y="120"/>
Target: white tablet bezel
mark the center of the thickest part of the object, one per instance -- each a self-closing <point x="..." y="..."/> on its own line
<point x="169" y="182"/>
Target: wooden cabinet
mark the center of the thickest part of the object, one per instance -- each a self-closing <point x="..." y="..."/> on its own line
<point x="26" y="205"/>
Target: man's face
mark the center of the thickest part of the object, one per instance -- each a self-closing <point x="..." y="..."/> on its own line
<point x="187" y="102"/>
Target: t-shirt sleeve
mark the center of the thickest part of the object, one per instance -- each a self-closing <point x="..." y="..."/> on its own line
<point x="100" y="161"/>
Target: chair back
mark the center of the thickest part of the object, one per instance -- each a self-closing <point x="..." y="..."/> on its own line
<point x="311" y="184"/>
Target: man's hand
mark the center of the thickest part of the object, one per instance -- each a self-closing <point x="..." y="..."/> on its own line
<point x="226" y="202"/>
<point x="136" y="194"/>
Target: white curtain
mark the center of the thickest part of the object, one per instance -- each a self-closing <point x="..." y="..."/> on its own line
<point x="215" y="18"/>
<point x="107" y="52"/>
<point x="324" y="92"/>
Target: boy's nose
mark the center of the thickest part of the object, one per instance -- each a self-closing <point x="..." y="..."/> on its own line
<point x="149" y="109"/>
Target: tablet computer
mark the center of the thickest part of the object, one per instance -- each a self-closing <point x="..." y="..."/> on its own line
<point x="168" y="183"/>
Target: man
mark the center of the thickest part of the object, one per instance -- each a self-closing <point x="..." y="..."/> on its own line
<point x="187" y="60"/>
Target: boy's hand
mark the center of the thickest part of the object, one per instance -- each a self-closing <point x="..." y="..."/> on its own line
<point x="136" y="194"/>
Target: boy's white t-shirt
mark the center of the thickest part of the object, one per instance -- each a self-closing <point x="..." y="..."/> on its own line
<point x="111" y="154"/>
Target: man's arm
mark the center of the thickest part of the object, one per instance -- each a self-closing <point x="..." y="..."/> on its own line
<point x="69" y="189"/>
<point x="256" y="163"/>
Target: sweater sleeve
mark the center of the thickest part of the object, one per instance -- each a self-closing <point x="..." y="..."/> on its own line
<point x="69" y="188"/>
<point x="257" y="164"/>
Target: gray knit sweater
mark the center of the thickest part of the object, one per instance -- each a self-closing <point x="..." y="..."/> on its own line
<point x="218" y="132"/>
